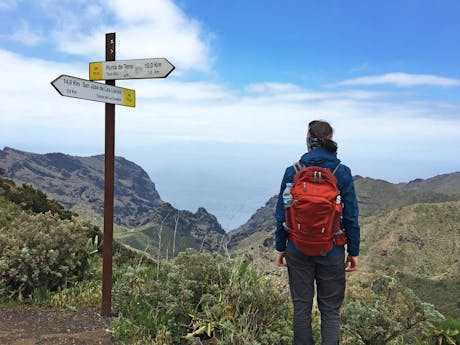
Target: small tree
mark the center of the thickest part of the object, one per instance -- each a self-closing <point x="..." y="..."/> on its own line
<point x="383" y="311"/>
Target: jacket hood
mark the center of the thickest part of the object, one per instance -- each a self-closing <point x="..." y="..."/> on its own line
<point x="320" y="157"/>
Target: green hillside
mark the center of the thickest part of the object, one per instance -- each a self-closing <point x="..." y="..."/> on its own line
<point x="445" y="184"/>
<point x="378" y="196"/>
<point x="421" y="244"/>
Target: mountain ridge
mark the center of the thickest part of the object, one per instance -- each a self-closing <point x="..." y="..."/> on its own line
<point x="140" y="215"/>
<point x="375" y="196"/>
<point x="78" y="182"/>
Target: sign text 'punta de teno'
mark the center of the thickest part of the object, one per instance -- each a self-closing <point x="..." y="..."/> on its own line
<point x="85" y="89"/>
<point x="130" y="69"/>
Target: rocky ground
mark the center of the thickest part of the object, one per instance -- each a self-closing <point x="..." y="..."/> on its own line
<point x="40" y="327"/>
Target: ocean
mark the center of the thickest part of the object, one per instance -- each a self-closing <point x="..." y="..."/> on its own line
<point x="229" y="180"/>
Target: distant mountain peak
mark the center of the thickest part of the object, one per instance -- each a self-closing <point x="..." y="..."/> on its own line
<point x="415" y="180"/>
<point x="78" y="182"/>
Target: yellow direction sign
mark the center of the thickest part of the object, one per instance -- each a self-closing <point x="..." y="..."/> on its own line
<point x="130" y="69"/>
<point x="84" y="89"/>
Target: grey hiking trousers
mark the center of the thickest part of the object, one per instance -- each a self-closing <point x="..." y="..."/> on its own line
<point x="329" y="274"/>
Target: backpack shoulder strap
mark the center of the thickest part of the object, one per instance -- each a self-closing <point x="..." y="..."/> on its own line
<point x="297" y="166"/>
<point x="333" y="172"/>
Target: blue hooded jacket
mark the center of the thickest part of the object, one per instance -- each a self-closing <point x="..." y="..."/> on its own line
<point x="323" y="158"/>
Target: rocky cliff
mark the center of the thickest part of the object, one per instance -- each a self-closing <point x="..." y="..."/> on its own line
<point x="147" y="222"/>
<point x="78" y="183"/>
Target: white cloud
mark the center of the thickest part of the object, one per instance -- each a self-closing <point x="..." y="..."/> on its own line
<point x="291" y="92"/>
<point x="26" y="35"/>
<point x="368" y="129"/>
<point x="144" y="29"/>
<point x="401" y="79"/>
<point x="204" y="110"/>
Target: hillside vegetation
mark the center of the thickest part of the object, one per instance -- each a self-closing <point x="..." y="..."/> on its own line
<point x="166" y="231"/>
<point x="232" y="293"/>
<point x="421" y="243"/>
<point x="52" y="262"/>
<point x="195" y="298"/>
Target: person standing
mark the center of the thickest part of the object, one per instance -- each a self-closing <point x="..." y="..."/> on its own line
<point x="326" y="270"/>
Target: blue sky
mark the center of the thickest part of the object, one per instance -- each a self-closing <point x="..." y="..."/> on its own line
<point x="249" y="76"/>
<point x="315" y="42"/>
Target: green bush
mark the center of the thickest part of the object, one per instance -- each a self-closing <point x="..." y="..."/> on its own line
<point x="31" y="199"/>
<point x="8" y="211"/>
<point x="42" y="252"/>
<point x="200" y="295"/>
<point x="385" y="312"/>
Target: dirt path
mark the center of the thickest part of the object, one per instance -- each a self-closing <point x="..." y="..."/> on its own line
<point x="38" y="327"/>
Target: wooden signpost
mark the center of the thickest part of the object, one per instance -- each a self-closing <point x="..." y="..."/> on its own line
<point x="110" y="70"/>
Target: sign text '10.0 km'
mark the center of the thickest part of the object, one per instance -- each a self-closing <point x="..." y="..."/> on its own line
<point x="130" y="69"/>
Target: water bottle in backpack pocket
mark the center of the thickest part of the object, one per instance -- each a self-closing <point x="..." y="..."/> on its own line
<point x="287" y="201"/>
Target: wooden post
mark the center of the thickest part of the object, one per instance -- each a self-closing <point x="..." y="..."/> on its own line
<point x="109" y="182"/>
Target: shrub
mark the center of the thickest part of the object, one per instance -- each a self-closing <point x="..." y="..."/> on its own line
<point x="42" y="252"/>
<point x="31" y="199"/>
<point x="201" y="295"/>
<point x="385" y="312"/>
<point x="86" y="293"/>
<point x="8" y="211"/>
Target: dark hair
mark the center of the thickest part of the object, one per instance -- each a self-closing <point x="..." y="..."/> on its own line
<point x="320" y="135"/>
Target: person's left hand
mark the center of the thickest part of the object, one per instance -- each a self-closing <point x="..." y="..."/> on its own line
<point x="281" y="259"/>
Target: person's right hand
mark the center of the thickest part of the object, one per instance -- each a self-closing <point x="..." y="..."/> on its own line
<point x="351" y="264"/>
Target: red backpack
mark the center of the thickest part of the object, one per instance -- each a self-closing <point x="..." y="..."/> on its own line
<point x="313" y="218"/>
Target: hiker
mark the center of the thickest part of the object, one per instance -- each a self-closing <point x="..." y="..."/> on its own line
<point x="309" y="256"/>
